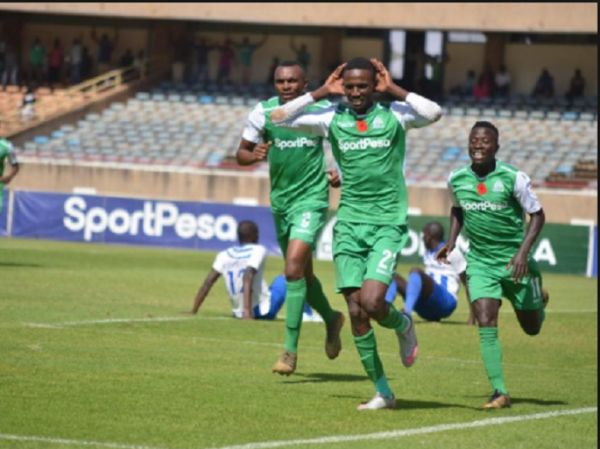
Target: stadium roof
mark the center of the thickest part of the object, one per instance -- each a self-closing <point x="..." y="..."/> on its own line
<point x="513" y="17"/>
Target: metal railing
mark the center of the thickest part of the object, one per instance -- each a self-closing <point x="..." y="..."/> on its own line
<point x="90" y="89"/>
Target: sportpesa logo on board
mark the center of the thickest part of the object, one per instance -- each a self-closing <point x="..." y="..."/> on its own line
<point x="300" y="142"/>
<point x="364" y="144"/>
<point x="153" y="220"/>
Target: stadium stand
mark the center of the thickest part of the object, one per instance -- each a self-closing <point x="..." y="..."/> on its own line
<point x="200" y="126"/>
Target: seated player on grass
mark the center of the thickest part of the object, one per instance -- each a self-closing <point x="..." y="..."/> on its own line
<point x="242" y="267"/>
<point x="432" y="292"/>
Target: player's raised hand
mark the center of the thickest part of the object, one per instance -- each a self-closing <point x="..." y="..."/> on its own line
<point x="261" y="151"/>
<point x="444" y="251"/>
<point x="382" y="76"/>
<point x="334" y="82"/>
<point x="519" y="266"/>
<point x="334" y="178"/>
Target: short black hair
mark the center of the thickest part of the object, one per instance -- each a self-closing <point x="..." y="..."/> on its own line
<point x="360" y="63"/>
<point x="289" y="63"/>
<point x="488" y="125"/>
<point x="435" y="230"/>
<point x="247" y="231"/>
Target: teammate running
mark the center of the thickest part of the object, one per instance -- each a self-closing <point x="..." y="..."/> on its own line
<point x="368" y="141"/>
<point x="299" y="202"/>
<point x="432" y="292"/>
<point x="490" y="200"/>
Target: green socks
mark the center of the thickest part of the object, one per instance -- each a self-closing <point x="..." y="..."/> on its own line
<point x="395" y="320"/>
<point x="367" y="350"/>
<point x="294" y="305"/>
<point x="318" y="301"/>
<point x="491" y="354"/>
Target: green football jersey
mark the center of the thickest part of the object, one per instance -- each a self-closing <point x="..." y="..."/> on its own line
<point x="296" y="161"/>
<point x="369" y="150"/>
<point x="494" y="210"/>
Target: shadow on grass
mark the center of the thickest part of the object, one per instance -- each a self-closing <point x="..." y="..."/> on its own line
<point x="536" y="401"/>
<point x="20" y="265"/>
<point x="422" y="322"/>
<point x="325" y="377"/>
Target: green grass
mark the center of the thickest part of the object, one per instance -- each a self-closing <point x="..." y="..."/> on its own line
<point x="205" y="381"/>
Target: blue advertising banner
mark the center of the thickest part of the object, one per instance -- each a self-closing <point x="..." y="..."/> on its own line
<point x="4" y="212"/>
<point x="91" y="218"/>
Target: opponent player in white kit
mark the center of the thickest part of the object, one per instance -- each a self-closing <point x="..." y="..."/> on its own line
<point x="242" y="268"/>
<point x="432" y="292"/>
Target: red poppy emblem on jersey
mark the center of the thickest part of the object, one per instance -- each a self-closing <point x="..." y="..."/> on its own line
<point x="481" y="188"/>
<point x="361" y="125"/>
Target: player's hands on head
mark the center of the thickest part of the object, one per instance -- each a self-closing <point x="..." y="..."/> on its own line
<point x="334" y="178"/>
<point x="334" y="83"/>
<point x="444" y="251"/>
<point x="519" y="266"/>
<point x="261" y="150"/>
<point x="382" y="76"/>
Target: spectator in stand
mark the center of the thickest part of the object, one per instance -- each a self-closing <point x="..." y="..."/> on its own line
<point x="139" y="61"/>
<point x="483" y="88"/>
<point x="470" y="82"/>
<point x="577" y="86"/>
<point x="28" y="104"/>
<point x="105" y="49"/>
<point x="75" y="61"/>
<point x="502" y="82"/>
<point x="274" y="65"/>
<point x="127" y="59"/>
<point x="202" y="69"/>
<point x="302" y="54"/>
<point x="226" y="55"/>
<point x="37" y="58"/>
<point x="86" y="63"/>
<point x="246" y="50"/>
<point x="544" y="86"/>
<point x="55" y="62"/>
<point x="10" y="74"/>
<point x="180" y="48"/>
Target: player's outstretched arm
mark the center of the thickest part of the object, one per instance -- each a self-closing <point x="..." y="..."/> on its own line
<point x="519" y="261"/>
<point x="249" y="153"/>
<point x="456" y="224"/>
<point x="248" y="281"/>
<point x="332" y="86"/>
<point x="425" y="108"/>
<point x="203" y="291"/>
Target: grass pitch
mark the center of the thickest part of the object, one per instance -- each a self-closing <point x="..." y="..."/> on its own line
<point x="95" y="353"/>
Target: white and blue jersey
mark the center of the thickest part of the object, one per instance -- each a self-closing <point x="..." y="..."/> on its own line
<point x="445" y="275"/>
<point x="231" y="264"/>
<point x="446" y="284"/>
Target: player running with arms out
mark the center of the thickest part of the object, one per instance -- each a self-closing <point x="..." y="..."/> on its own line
<point x="368" y="141"/>
<point x="432" y="293"/>
<point x="299" y="202"/>
<point x="490" y="199"/>
<point x="7" y="152"/>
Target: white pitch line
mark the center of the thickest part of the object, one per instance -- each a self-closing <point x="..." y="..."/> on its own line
<point x="58" y="325"/>
<point x="64" y="441"/>
<point x="327" y="440"/>
<point x="409" y="432"/>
